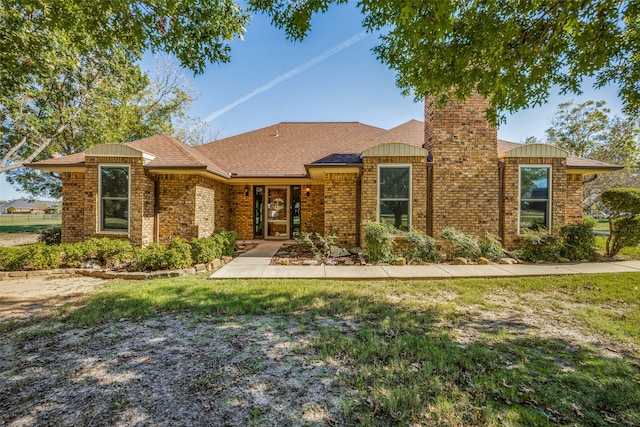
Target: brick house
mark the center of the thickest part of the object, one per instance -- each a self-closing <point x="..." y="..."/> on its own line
<point x="448" y="171"/>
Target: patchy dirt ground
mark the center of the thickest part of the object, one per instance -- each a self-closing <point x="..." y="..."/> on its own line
<point x="172" y="370"/>
<point x="15" y="239"/>
<point x="180" y="370"/>
<point x="24" y="297"/>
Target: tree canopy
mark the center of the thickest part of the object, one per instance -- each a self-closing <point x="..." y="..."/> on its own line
<point x="512" y="52"/>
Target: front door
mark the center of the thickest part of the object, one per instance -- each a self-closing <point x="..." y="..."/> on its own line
<point x="277" y="213"/>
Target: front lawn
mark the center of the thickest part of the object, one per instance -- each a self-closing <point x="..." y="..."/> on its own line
<point x="527" y="351"/>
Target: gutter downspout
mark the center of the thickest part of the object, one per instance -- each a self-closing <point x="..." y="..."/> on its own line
<point x="501" y="200"/>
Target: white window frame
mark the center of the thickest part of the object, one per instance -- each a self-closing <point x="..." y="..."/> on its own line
<point x="100" y="198"/>
<point x="396" y="165"/>
<point x="549" y="193"/>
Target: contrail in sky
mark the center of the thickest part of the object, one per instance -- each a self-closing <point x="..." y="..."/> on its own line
<point x="345" y="44"/>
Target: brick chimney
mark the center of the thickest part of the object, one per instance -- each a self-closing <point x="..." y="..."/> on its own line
<point x="464" y="149"/>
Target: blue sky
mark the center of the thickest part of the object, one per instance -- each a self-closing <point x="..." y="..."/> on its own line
<point x="330" y="76"/>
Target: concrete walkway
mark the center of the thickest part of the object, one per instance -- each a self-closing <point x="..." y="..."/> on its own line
<point x="254" y="264"/>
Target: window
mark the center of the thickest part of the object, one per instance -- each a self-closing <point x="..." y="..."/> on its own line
<point x="394" y="195"/>
<point x="114" y="198"/>
<point x="535" y="201"/>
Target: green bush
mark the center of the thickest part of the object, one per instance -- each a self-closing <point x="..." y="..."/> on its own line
<point x="421" y="247"/>
<point x="178" y="255"/>
<point x="621" y="200"/>
<point x="109" y="252"/>
<point x="491" y="247"/>
<point x="51" y="236"/>
<point x="226" y="240"/>
<point x="11" y="258"/>
<point x="150" y="258"/>
<point x="458" y="244"/>
<point x="625" y="234"/>
<point x="379" y="238"/>
<point x="578" y="241"/>
<point x="623" y="205"/>
<point x="205" y="250"/>
<point x="539" y="245"/>
<point x="159" y="257"/>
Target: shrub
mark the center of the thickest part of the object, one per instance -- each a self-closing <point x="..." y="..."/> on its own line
<point x="11" y="259"/>
<point x="623" y="205"/>
<point x="150" y="258"/>
<point x="178" y="255"/>
<point x="51" y="236"/>
<point x="578" y="241"/>
<point x="159" y="257"/>
<point x="379" y="238"/>
<point x="226" y="240"/>
<point x="109" y="252"/>
<point x="539" y="245"/>
<point x="459" y="244"/>
<point x="205" y="249"/>
<point x="319" y="245"/>
<point x="421" y="247"/>
<point x="491" y="248"/>
<point x="625" y="233"/>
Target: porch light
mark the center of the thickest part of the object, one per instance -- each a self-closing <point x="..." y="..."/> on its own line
<point x="246" y="190"/>
<point x="308" y="191"/>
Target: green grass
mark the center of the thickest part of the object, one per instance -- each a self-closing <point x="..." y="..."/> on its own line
<point x="28" y="223"/>
<point x="601" y="225"/>
<point x="406" y="364"/>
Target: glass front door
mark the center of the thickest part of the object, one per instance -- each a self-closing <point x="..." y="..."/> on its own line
<point x="277" y="213"/>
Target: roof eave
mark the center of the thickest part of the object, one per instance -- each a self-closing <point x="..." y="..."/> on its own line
<point x="76" y="167"/>
<point x="592" y="170"/>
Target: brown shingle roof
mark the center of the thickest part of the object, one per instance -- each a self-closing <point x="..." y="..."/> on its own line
<point x="283" y="149"/>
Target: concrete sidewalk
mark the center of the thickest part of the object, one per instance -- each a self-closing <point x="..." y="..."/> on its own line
<point x="254" y="264"/>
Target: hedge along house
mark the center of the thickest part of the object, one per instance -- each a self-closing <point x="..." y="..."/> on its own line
<point x="450" y="171"/>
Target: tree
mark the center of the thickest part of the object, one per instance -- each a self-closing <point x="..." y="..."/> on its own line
<point x="579" y="128"/>
<point x="104" y="99"/>
<point x="38" y="35"/>
<point x="511" y="52"/>
<point x="623" y="205"/>
<point x="587" y="130"/>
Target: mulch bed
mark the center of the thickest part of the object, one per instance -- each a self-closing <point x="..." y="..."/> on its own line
<point x="299" y="254"/>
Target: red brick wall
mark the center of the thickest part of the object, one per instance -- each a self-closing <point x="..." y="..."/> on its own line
<point x="73" y="212"/>
<point x="574" y="200"/>
<point x="340" y="216"/>
<point x="465" y="170"/>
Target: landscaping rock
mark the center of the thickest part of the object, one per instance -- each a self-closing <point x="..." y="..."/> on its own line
<point x="337" y="252"/>
<point x="563" y="260"/>
<point x="331" y="262"/>
<point x="284" y="261"/>
<point x="507" y="261"/>
<point x="200" y="267"/>
<point x="401" y="261"/>
<point x="309" y="262"/>
<point x="459" y="261"/>
<point x="348" y="262"/>
<point x="483" y="261"/>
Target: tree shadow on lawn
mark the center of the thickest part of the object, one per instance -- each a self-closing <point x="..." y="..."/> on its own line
<point x="165" y="354"/>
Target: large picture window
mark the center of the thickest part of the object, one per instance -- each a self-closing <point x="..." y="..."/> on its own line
<point x="394" y="195"/>
<point x="114" y="198"/>
<point x="535" y="197"/>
